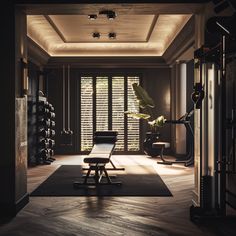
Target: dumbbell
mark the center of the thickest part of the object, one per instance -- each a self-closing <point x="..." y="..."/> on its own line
<point x="51" y="143"/>
<point x="51" y="115"/>
<point x="44" y="133"/>
<point x="43" y="154"/>
<point x="51" y="107"/>
<point x="52" y="132"/>
<point x="43" y="143"/>
<point x="45" y="123"/>
<point x="43" y="111"/>
<point x="43" y="103"/>
<point x="51" y="152"/>
<point x="52" y="124"/>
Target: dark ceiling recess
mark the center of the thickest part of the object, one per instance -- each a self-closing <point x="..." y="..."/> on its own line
<point x="216" y="1"/>
<point x="221" y="5"/>
<point x="222" y="25"/>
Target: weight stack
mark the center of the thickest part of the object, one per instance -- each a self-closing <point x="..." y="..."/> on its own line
<point x="206" y="192"/>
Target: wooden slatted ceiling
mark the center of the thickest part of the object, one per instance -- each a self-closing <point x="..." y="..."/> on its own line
<point x="137" y="35"/>
<point x="77" y="28"/>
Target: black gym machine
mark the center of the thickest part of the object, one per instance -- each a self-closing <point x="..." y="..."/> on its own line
<point x="189" y="158"/>
<point x="210" y="198"/>
<point x="66" y="137"/>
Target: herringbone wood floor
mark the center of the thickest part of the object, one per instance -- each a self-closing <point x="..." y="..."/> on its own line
<point x="132" y="216"/>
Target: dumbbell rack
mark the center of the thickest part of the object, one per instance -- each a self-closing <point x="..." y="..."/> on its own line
<point x="45" y="131"/>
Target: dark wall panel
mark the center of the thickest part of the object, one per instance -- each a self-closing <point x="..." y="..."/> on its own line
<point x="231" y="139"/>
<point x="189" y="102"/>
<point x="32" y="93"/>
<point x="53" y="80"/>
<point x="155" y="81"/>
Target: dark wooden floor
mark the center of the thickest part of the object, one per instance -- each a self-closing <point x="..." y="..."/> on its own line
<point x="133" y="216"/>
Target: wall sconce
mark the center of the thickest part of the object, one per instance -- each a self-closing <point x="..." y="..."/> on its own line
<point x="112" y="35"/>
<point x="24" y="76"/>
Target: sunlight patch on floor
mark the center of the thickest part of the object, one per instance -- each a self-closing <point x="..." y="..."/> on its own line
<point x="124" y="160"/>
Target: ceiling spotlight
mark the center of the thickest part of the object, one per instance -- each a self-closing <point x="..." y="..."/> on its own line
<point x="112" y="35"/>
<point x="92" y="17"/>
<point x="96" y="35"/>
<point x="111" y="15"/>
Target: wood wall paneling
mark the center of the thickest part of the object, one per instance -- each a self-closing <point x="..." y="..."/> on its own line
<point x="12" y="166"/>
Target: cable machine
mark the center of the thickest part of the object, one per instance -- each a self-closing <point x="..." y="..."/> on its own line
<point x="66" y="133"/>
<point x="212" y="160"/>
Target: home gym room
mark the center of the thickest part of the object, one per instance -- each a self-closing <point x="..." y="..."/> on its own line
<point x="120" y="120"/>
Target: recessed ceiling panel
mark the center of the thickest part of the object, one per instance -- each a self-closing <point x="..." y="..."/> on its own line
<point x="136" y="35"/>
<point x="80" y="29"/>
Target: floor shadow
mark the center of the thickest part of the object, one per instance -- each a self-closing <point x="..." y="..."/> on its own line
<point x="220" y="226"/>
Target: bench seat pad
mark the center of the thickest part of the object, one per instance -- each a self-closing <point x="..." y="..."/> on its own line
<point x="97" y="159"/>
<point x="161" y="144"/>
<point x="101" y="155"/>
<point x="102" y="148"/>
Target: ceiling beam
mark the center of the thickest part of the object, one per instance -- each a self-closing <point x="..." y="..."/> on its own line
<point x="109" y="62"/>
<point x="183" y="41"/>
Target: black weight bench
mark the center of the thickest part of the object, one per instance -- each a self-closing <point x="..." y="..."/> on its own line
<point x="100" y="139"/>
<point x="100" y="155"/>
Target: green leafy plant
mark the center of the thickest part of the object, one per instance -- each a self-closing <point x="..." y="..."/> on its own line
<point x="147" y="105"/>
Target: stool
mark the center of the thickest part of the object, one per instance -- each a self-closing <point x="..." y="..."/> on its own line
<point x="162" y="146"/>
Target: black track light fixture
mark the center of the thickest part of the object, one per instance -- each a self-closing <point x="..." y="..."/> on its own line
<point x="92" y="17"/>
<point x="96" y="35"/>
<point x="111" y="15"/>
<point x="112" y="35"/>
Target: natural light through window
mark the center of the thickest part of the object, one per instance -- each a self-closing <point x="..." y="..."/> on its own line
<point x="103" y="102"/>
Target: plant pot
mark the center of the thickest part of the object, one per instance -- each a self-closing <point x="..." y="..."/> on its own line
<point x="147" y="144"/>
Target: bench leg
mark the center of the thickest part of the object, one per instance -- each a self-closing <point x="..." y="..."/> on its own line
<point x="99" y="173"/>
<point x="87" y="176"/>
<point x="114" y="167"/>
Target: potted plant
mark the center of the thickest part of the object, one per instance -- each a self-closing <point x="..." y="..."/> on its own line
<point x="147" y="105"/>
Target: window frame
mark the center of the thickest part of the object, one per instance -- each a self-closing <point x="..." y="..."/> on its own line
<point x="109" y="75"/>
